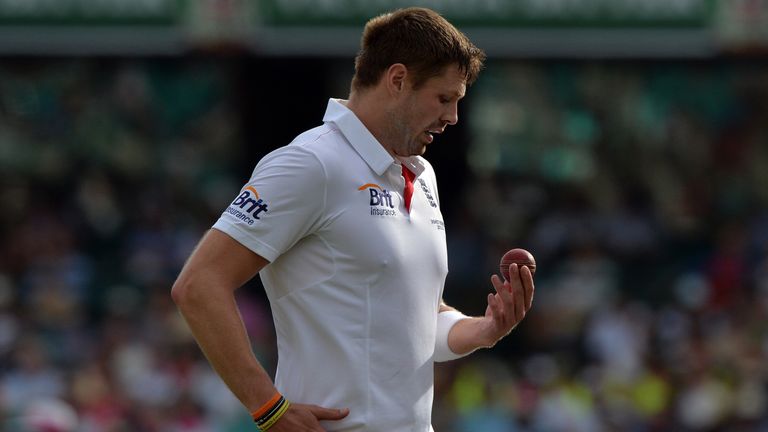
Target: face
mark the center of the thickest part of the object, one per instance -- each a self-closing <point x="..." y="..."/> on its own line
<point x="421" y="114"/>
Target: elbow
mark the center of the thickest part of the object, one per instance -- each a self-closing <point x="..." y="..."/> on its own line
<point x="193" y="291"/>
<point x="181" y="292"/>
<point x="188" y="296"/>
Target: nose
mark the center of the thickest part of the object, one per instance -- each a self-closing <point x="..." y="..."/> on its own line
<point x="451" y="115"/>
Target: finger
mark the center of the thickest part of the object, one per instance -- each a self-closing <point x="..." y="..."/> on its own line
<point x="505" y="297"/>
<point x="502" y="287"/>
<point x="528" y="287"/>
<point x="514" y="285"/>
<point x="498" y="283"/>
<point x="497" y="309"/>
<point x="513" y="302"/>
<point x="519" y="300"/>
<point x="321" y="413"/>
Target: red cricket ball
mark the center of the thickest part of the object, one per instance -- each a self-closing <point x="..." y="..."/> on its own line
<point x="518" y="256"/>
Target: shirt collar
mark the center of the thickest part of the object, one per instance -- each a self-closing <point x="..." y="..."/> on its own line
<point x="361" y="139"/>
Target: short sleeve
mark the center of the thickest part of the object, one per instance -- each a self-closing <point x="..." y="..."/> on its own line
<point x="282" y="203"/>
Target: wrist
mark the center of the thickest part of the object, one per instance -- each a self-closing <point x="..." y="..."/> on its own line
<point x="270" y="412"/>
<point x="486" y="333"/>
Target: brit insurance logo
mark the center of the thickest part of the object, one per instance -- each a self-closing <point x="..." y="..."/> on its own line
<point x="248" y="206"/>
<point x="380" y="200"/>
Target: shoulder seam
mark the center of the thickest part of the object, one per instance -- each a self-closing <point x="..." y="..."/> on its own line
<point x="325" y="174"/>
<point x="316" y="137"/>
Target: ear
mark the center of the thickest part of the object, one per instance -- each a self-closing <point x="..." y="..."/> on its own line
<point x="396" y="78"/>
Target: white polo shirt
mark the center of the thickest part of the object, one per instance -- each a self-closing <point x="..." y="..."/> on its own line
<point x="354" y="280"/>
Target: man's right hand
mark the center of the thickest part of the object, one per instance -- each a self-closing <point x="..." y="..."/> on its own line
<point x="306" y="418"/>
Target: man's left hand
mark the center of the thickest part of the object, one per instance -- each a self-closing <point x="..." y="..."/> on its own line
<point x="509" y="305"/>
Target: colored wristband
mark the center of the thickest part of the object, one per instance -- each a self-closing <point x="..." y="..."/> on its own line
<point x="266" y="416"/>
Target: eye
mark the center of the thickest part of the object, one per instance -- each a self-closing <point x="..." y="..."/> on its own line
<point x="444" y="100"/>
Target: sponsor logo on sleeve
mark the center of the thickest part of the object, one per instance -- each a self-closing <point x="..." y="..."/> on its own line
<point x="248" y="206"/>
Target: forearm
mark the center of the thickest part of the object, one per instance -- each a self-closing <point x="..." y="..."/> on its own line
<point x="469" y="335"/>
<point x="216" y="324"/>
<point x="204" y="293"/>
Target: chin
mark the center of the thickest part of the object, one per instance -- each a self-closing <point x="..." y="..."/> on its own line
<point x="419" y="152"/>
<point x="419" y="149"/>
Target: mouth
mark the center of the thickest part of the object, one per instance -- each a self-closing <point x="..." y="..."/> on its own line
<point x="430" y="133"/>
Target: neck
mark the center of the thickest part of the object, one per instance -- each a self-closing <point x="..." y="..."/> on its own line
<point x="373" y="113"/>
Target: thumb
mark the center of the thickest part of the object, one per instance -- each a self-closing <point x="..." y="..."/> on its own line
<point x="321" y="413"/>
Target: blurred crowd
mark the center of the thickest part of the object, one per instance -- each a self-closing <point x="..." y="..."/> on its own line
<point x="642" y="190"/>
<point x="111" y="171"/>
